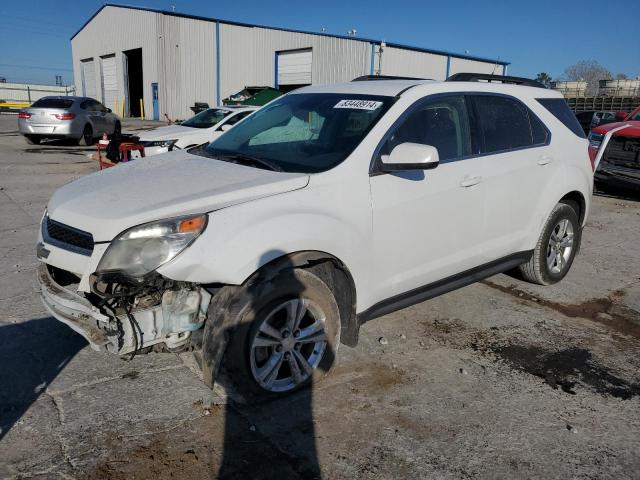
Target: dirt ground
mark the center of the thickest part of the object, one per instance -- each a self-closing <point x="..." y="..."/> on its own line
<point x="501" y="379"/>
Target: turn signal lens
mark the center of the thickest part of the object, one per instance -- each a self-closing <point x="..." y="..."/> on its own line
<point x="194" y="224"/>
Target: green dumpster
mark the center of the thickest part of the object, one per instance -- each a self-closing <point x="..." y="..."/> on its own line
<point x="257" y="96"/>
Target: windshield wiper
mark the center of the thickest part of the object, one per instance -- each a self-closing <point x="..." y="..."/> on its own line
<point x="244" y="158"/>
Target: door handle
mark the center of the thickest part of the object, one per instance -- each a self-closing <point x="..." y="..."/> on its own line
<point x="470" y="182"/>
<point x="544" y="160"/>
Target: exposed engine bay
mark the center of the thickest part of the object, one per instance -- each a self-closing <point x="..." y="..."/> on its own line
<point x="123" y="316"/>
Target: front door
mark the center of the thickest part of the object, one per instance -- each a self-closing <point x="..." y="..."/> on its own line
<point x="428" y="225"/>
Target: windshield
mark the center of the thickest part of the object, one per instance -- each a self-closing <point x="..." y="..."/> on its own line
<point x="206" y="119"/>
<point x="305" y="132"/>
<point x="636" y="116"/>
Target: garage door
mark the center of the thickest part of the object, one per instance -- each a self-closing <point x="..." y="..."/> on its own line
<point x="89" y="78"/>
<point x="294" y="67"/>
<point x="109" y="82"/>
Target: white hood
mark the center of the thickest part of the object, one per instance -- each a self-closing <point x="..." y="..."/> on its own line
<point x="177" y="183"/>
<point x="170" y="132"/>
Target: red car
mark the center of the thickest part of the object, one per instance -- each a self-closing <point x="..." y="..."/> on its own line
<point x="620" y="164"/>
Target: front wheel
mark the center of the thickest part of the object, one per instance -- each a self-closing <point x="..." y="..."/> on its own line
<point x="286" y="336"/>
<point x="556" y="247"/>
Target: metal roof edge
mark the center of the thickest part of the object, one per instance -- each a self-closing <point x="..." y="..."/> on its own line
<point x="292" y="30"/>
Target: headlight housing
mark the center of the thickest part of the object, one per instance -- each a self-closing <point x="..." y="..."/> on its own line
<point x="160" y="143"/>
<point x="595" y="139"/>
<point x="142" y="249"/>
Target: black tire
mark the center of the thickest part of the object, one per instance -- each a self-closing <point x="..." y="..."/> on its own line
<point x="32" y="139"/>
<point x="251" y="309"/>
<point x="87" y="136"/>
<point x="117" y="130"/>
<point x="537" y="269"/>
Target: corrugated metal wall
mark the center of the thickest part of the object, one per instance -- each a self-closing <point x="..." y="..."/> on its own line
<point x="238" y="59"/>
<point x="187" y="68"/>
<point x="463" y="65"/>
<point x="247" y="56"/>
<point x="397" y="61"/>
<point x="180" y="55"/>
<point x="112" y="31"/>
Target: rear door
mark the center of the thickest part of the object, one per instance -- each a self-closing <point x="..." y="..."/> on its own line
<point x="427" y="225"/>
<point x="94" y="112"/>
<point x="517" y="162"/>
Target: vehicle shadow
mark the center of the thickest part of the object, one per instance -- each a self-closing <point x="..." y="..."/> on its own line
<point x="621" y="193"/>
<point x="32" y="354"/>
<point x="276" y="437"/>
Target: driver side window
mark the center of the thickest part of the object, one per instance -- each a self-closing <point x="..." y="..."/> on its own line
<point x="442" y="123"/>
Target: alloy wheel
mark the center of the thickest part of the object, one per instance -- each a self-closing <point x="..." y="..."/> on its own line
<point x="560" y="246"/>
<point x="288" y="345"/>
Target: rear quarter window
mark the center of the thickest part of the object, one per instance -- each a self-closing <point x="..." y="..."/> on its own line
<point x="507" y="124"/>
<point x="559" y="108"/>
<point x="52" y="103"/>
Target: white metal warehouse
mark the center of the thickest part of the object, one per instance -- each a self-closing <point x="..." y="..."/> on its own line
<point x="125" y="54"/>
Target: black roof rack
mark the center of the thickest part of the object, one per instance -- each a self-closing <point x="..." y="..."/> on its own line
<point x="475" y="77"/>
<point x="365" y="78"/>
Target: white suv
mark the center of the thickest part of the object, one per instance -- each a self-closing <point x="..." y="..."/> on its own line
<point x="330" y="206"/>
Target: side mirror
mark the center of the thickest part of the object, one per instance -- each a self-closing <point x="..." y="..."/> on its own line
<point x="225" y="127"/>
<point x="411" y="156"/>
<point x="620" y="116"/>
<point x="108" y="110"/>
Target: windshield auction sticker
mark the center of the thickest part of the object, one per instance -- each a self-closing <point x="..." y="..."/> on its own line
<point x="358" y="104"/>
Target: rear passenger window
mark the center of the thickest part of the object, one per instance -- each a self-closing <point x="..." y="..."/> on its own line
<point x="235" y="119"/>
<point x="559" y="108"/>
<point x="89" y="105"/>
<point x="506" y="124"/>
<point x="442" y="123"/>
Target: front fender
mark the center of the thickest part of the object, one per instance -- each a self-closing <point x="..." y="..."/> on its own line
<point x="239" y="240"/>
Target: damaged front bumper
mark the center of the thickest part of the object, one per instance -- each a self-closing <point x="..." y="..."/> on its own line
<point x="170" y="321"/>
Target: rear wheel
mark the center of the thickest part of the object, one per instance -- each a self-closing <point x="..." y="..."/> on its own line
<point x="32" y="139"/>
<point x="286" y="336"/>
<point x="87" y="136"/>
<point x="556" y="247"/>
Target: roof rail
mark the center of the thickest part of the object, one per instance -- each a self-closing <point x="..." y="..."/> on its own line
<point x="475" y="77"/>
<point x="365" y="78"/>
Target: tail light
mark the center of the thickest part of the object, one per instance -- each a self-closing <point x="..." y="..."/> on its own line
<point x="65" y="116"/>
<point x="24" y="115"/>
<point x="593" y="152"/>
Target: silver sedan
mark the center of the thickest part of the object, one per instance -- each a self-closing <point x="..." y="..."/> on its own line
<point x="79" y="118"/>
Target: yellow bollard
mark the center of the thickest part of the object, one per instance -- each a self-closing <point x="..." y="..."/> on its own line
<point x="141" y="110"/>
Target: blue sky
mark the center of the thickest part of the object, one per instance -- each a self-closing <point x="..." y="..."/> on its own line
<point x="546" y="35"/>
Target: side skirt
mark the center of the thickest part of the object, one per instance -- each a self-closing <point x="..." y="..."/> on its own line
<point x="440" y="287"/>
